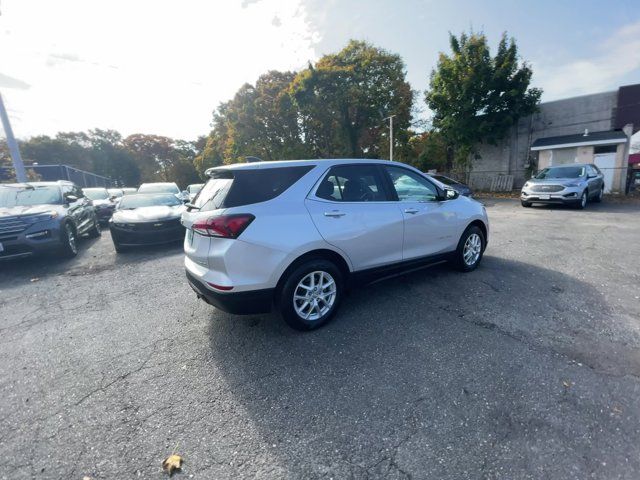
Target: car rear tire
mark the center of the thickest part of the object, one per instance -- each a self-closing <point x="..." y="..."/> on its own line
<point x="69" y="248"/>
<point x="470" y="249"/>
<point x="310" y="294"/>
<point x="598" y="198"/>
<point x="525" y="204"/>
<point x="582" y="203"/>
<point x="95" y="231"/>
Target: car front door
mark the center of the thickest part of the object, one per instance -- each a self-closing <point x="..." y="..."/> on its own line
<point x="595" y="180"/>
<point x="430" y="225"/>
<point x="75" y="210"/>
<point x="354" y="211"/>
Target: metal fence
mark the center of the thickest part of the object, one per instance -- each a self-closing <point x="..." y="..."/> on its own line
<point x="51" y="173"/>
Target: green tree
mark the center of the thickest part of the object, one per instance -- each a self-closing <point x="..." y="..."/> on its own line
<point x="477" y="98"/>
<point x="343" y="98"/>
<point x="260" y="121"/>
<point x="111" y="158"/>
<point x="428" y="151"/>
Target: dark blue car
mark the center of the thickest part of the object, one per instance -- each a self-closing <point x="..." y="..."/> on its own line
<point x="44" y="217"/>
<point x="461" y="188"/>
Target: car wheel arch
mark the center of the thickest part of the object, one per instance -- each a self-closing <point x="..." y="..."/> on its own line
<point x="321" y="253"/>
<point x="481" y="225"/>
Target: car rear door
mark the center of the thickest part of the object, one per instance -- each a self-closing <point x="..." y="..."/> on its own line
<point x="430" y="225"/>
<point x="354" y="211"/>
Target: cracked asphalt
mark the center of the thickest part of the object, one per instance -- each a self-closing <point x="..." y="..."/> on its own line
<point x="527" y="368"/>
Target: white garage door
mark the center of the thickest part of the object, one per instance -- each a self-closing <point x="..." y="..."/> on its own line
<point x="607" y="163"/>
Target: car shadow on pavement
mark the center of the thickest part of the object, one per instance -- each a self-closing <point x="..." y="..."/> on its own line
<point x="94" y="255"/>
<point x="435" y="374"/>
<point x="49" y="263"/>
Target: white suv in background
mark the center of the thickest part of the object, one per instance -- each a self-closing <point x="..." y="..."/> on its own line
<point x="295" y="234"/>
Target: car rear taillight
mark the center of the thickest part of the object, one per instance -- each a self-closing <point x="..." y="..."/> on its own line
<point x="226" y="226"/>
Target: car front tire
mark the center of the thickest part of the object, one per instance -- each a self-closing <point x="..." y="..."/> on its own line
<point x="310" y="295"/>
<point x="582" y="203"/>
<point x="525" y="204"/>
<point x="470" y="249"/>
<point x="69" y="248"/>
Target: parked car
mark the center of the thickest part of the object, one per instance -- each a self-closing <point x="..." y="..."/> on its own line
<point x="294" y="234"/>
<point x="193" y="190"/>
<point x="103" y="202"/>
<point x="40" y="217"/>
<point x="164" y="187"/>
<point x="572" y="184"/>
<point x="459" y="187"/>
<point x="146" y="219"/>
<point x="115" y="192"/>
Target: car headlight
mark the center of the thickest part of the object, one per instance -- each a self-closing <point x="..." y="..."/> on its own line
<point x="526" y="185"/>
<point x="573" y="184"/>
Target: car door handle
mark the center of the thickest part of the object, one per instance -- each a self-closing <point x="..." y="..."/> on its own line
<point x="412" y="211"/>
<point x="335" y="214"/>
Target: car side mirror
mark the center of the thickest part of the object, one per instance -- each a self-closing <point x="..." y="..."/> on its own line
<point x="113" y="198"/>
<point x="450" y="194"/>
<point x="70" y="198"/>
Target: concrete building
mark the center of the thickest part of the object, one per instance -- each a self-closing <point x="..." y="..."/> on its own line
<point x="556" y="135"/>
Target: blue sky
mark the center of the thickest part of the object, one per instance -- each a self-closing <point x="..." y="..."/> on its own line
<point x="157" y="66"/>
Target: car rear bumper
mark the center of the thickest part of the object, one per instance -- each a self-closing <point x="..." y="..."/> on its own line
<point x="104" y="214"/>
<point x="239" y="303"/>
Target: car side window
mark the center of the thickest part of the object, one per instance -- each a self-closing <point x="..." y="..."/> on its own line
<point x="411" y="187"/>
<point x="352" y="183"/>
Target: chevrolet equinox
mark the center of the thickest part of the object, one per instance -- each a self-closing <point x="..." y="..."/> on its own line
<point x="296" y="234"/>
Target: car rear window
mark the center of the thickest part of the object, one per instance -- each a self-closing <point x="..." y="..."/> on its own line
<point x="234" y="188"/>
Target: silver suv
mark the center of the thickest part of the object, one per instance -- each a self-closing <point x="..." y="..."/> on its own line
<point x="574" y="184"/>
<point x="295" y="234"/>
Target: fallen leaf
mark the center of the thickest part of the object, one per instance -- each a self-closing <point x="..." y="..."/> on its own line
<point x="172" y="463"/>
<point x="35" y="279"/>
<point x="566" y="384"/>
<point x="616" y="409"/>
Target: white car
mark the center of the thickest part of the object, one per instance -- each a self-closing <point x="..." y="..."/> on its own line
<point x="164" y="187"/>
<point x="295" y="234"/>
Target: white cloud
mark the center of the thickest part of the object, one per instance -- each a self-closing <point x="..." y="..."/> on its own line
<point x="150" y="66"/>
<point x="618" y="56"/>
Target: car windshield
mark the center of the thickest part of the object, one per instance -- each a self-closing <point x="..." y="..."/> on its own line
<point x="561" y="172"/>
<point x="159" y="188"/>
<point x="27" y="196"/>
<point x="129" y="202"/>
<point x="96" y="193"/>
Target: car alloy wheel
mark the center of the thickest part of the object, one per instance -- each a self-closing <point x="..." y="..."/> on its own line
<point x="314" y="295"/>
<point x="71" y="247"/>
<point x="472" y="249"/>
<point x="583" y="200"/>
<point x="310" y="293"/>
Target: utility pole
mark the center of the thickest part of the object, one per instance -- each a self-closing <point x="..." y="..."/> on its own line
<point x="390" y="118"/>
<point x="21" y="175"/>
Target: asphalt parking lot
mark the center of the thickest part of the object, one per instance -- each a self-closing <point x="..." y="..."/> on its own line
<point x="528" y="367"/>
